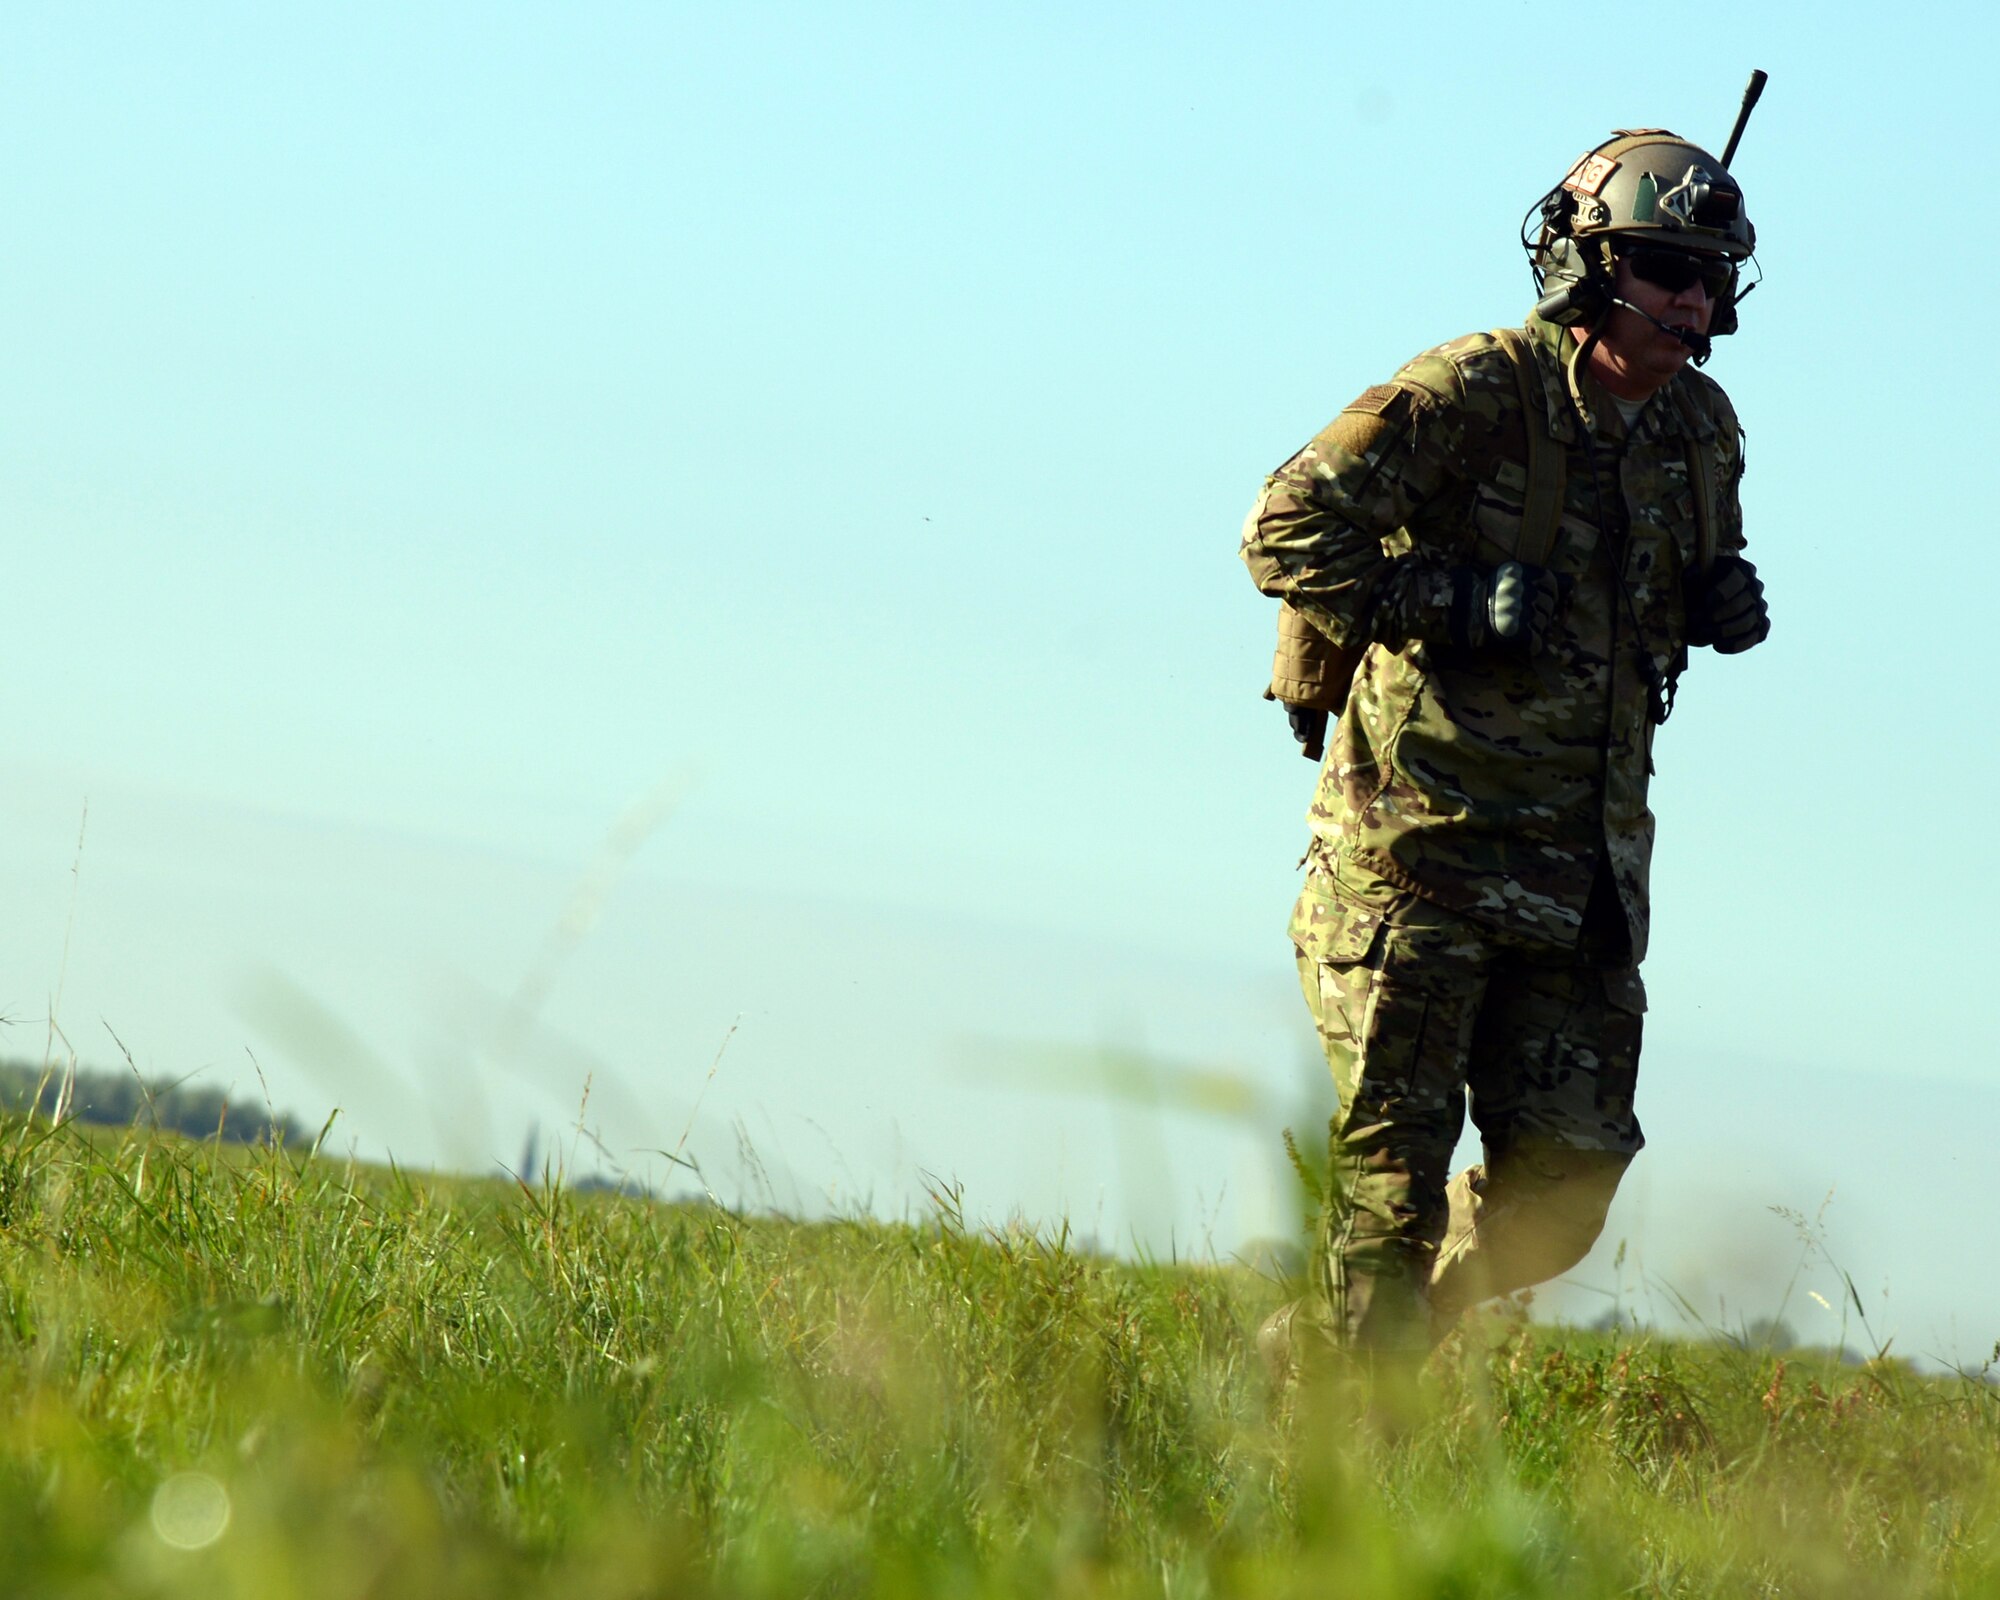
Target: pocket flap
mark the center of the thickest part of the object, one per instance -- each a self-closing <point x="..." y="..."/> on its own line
<point x="1326" y="929"/>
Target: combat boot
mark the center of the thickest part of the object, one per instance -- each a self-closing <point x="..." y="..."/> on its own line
<point x="1297" y="1341"/>
<point x="1274" y="1344"/>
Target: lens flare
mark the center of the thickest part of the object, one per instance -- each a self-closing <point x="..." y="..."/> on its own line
<point x="190" y="1511"/>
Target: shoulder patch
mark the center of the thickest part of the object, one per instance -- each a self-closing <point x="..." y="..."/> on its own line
<point x="1359" y="432"/>
<point x="1378" y="401"/>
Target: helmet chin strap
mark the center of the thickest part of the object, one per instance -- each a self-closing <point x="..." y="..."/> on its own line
<point x="1699" y="343"/>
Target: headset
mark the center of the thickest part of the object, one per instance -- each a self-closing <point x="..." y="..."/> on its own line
<point x="1641" y="185"/>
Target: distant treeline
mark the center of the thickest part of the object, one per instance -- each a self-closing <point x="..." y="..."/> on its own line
<point x="122" y="1099"/>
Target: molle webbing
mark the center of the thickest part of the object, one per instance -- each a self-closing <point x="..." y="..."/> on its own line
<point x="1542" y="506"/>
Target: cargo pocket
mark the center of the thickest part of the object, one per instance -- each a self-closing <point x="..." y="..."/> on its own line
<point x="1371" y="1016"/>
<point x="1332" y="931"/>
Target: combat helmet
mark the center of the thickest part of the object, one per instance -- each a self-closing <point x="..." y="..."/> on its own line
<point x="1642" y="185"/>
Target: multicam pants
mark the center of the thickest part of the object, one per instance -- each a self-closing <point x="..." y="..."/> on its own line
<point x="1420" y="1010"/>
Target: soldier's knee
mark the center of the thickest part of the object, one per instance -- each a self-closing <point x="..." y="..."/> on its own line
<point x="1569" y="1192"/>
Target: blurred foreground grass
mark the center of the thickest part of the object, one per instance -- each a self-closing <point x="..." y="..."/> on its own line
<point x="248" y="1373"/>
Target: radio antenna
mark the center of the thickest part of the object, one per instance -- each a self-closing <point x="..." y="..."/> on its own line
<point x="1757" y="82"/>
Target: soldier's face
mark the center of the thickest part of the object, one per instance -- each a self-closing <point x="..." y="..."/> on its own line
<point x="1637" y="358"/>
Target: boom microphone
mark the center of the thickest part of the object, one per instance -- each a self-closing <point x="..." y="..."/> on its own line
<point x="1699" y="343"/>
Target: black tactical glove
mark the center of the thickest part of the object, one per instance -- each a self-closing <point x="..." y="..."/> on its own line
<point x="1726" y="606"/>
<point x="1309" y="728"/>
<point x="1512" y="607"/>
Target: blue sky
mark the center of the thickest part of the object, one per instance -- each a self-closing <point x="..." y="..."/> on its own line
<point x="435" y="431"/>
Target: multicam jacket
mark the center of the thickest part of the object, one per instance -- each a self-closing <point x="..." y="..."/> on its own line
<point x="1492" y="784"/>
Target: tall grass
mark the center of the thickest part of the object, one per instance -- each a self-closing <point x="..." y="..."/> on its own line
<point x="231" y="1372"/>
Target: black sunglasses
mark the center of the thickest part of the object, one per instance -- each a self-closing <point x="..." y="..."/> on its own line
<point x="1675" y="270"/>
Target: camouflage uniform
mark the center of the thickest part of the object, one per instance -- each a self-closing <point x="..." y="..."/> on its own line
<point x="1476" y="902"/>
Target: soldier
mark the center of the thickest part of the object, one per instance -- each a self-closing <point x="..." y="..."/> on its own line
<point x="1493" y="567"/>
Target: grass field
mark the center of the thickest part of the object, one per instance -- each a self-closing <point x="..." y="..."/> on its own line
<point x="233" y="1372"/>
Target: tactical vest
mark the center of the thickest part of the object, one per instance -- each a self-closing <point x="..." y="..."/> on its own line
<point x="1311" y="670"/>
